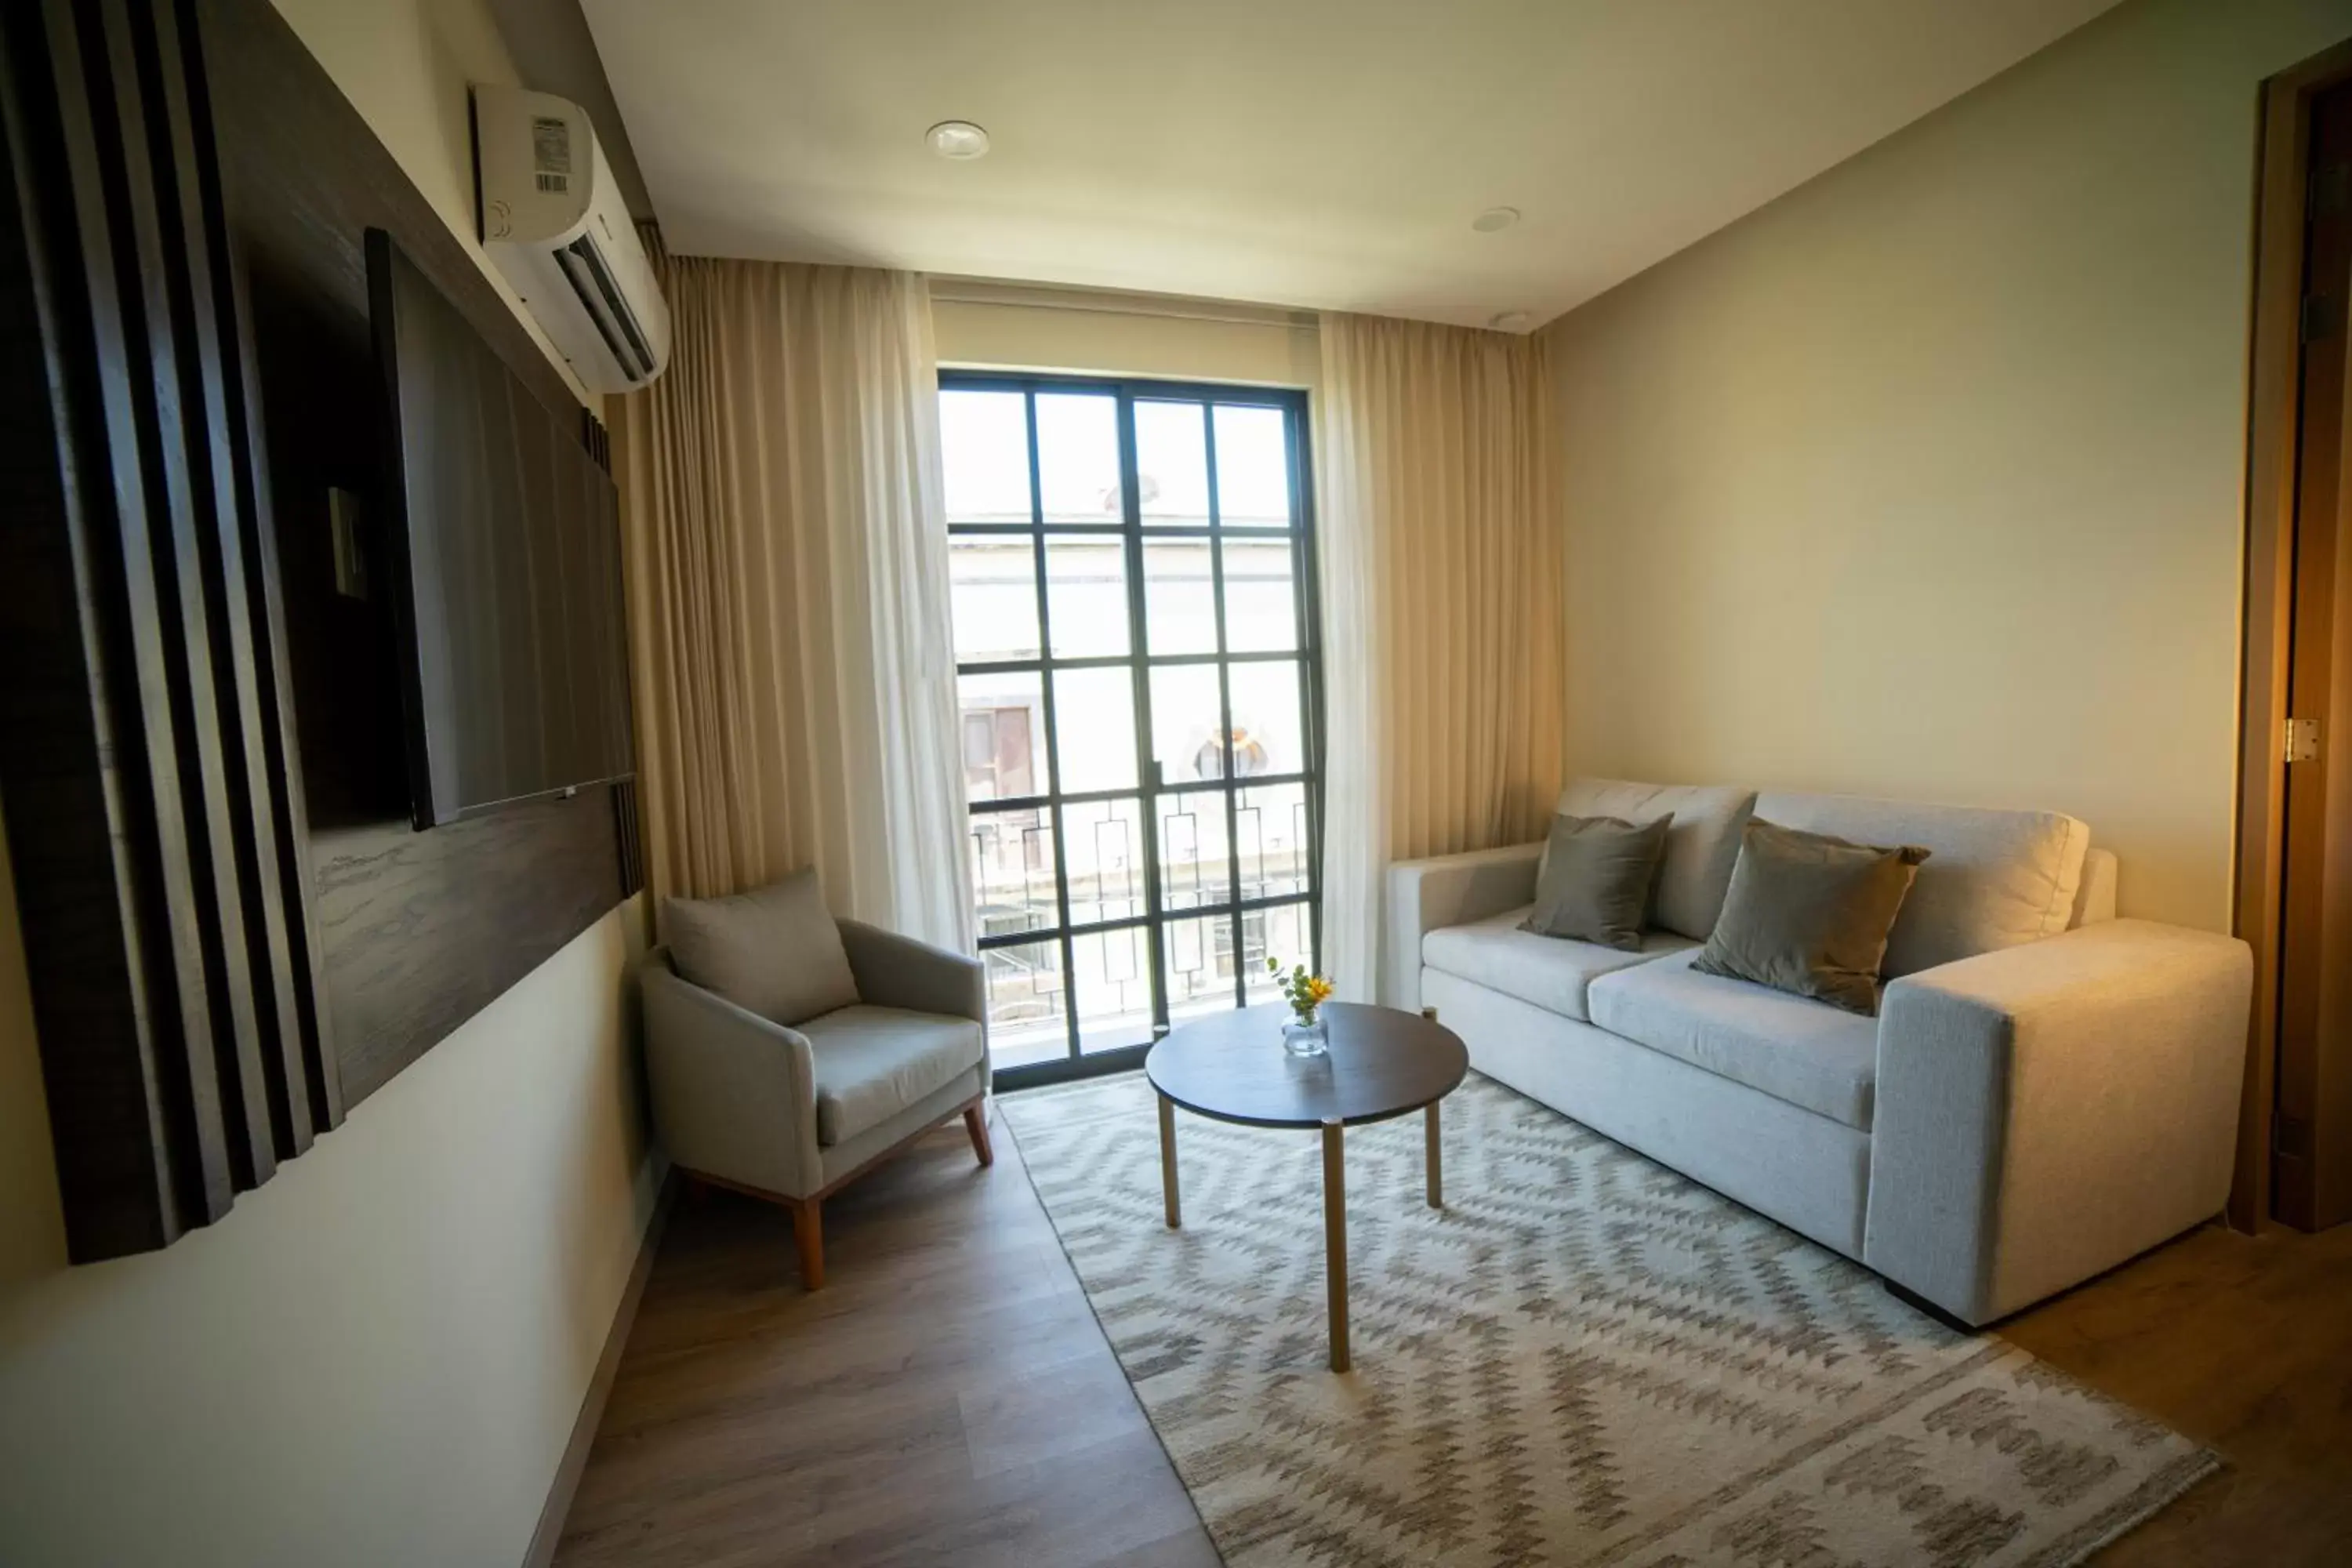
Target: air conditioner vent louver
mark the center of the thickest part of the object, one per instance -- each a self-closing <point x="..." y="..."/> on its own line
<point x="592" y="280"/>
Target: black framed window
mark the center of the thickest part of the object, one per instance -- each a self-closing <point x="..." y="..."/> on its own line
<point x="1133" y="585"/>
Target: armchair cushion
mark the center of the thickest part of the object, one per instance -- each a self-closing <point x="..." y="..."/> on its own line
<point x="774" y="951"/>
<point x="873" y="1063"/>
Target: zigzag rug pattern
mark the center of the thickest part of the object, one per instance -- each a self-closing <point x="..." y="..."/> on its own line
<point x="1584" y="1358"/>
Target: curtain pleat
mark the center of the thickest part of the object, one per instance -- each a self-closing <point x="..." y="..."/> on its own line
<point x="1441" y="552"/>
<point x="786" y="549"/>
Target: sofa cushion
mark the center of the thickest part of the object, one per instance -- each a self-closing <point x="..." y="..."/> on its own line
<point x="1996" y="879"/>
<point x="1596" y="880"/>
<point x="1809" y="913"/>
<point x="1807" y="1053"/>
<point x="1701" y="845"/>
<point x="1544" y="972"/>
<point x="874" y="1062"/>
<point x="773" y="951"/>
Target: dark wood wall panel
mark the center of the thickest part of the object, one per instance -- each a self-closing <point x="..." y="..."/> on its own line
<point x="423" y="929"/>
<point x="233" y="932"/>
<point x="168" y="946"/>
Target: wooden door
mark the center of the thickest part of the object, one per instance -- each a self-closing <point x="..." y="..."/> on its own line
<point x="2312" y="1130"/>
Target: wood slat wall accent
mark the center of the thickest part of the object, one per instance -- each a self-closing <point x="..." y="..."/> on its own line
<point x="156" y="827"/>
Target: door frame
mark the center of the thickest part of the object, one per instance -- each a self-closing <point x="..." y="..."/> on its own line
<point x="1308" y="606"/>
<point x="2274" y="413"/>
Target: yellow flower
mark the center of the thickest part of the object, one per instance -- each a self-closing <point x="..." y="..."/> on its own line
<point x="1319" y="988"/>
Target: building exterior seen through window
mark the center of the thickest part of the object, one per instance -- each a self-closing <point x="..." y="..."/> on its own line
<point x="1134" y="631"/>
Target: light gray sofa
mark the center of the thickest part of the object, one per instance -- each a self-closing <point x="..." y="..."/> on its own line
<point x="2047" y="1091"/>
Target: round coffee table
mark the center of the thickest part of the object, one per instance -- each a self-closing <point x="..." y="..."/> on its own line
<point x="1382" y="1064"/>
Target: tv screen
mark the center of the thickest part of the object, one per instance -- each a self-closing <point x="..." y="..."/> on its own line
<point x="506" y="566"/>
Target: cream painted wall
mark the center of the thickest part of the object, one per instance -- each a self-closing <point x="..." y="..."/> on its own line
<point x="377" y="1357"/>
<point x="1925" y="480"/>
<point x="1006" y="334"/>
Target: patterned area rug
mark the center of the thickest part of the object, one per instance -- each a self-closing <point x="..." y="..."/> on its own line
<point x="1584" y="1359"/>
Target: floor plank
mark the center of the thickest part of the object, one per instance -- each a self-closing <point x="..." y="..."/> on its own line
<point x="950" y="1396"/>
<point x="2245" y="1344"/>
<point x="947" y="1395"/>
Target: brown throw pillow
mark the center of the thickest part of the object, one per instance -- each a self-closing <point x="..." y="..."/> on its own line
<point x="1597" y="876"/>
<point x="773" y="951"/>
<point x="1809" y="914"/>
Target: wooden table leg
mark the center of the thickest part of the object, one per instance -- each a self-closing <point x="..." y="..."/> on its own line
<point x="1436" y="1158"/>
<point x="1167" y="1160"/>
<point x="1335" y="1242"/>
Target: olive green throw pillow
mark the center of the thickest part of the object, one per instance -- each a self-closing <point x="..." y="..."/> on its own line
<point x="1810" y="914"/>
<point x="1597" y="877"/>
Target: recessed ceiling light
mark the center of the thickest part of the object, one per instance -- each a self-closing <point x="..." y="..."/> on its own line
<point x="957" y="139"/>
<point x="1494" y="220"/>
<point x="1510" y="322"/>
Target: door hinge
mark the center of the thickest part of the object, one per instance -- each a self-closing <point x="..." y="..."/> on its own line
<point x="2303" y="739"/>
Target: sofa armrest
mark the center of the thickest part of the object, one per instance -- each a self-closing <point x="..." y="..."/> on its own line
<point x="1448" y="890"/>
<point x="2046" y="1111"/>
<point x="894" y="970"/>
<point x="734" y="1094"/>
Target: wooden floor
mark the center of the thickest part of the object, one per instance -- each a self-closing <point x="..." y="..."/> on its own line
<point x="949" y="1397"/>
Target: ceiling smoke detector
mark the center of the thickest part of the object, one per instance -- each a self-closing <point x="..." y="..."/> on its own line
<point x="957" y="139"/>
<point x="1510" y="322"/>
<point x="1494" y="220"/>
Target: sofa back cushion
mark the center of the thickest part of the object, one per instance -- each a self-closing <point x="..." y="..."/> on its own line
<point x="1996" y="879"/>
<point x="1702" y="845"/>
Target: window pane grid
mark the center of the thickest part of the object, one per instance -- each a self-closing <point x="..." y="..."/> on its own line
<point x="1106" y="913"/>
<point x="1227" y="740"/>
<point x="1017" y="665"/>
<point x="1220" y="911"/>
<point x="1074" y="797"/>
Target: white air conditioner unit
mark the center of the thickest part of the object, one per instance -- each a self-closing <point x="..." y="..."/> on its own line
<point x="554" y="225"/>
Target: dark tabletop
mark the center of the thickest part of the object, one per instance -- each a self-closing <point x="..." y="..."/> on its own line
<point x="1232" y="1067"/>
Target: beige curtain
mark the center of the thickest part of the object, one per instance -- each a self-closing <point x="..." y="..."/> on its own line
<point x="1443" y="677"/>
<point x="786" y="552"/>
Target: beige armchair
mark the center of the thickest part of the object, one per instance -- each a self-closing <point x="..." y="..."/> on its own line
<point x="790" y="1114"/>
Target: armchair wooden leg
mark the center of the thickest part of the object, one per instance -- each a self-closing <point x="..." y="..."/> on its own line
<point x="975" y="1122"/>
<point x="808" y="1232"/>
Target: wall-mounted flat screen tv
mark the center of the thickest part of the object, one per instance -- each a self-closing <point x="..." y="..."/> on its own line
<point x="505" y="546"/>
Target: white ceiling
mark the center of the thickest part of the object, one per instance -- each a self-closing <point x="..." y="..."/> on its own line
<point x="1327" y="153"/>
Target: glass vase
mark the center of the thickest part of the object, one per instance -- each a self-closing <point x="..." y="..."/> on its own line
<point x="1308" y="1036"/>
